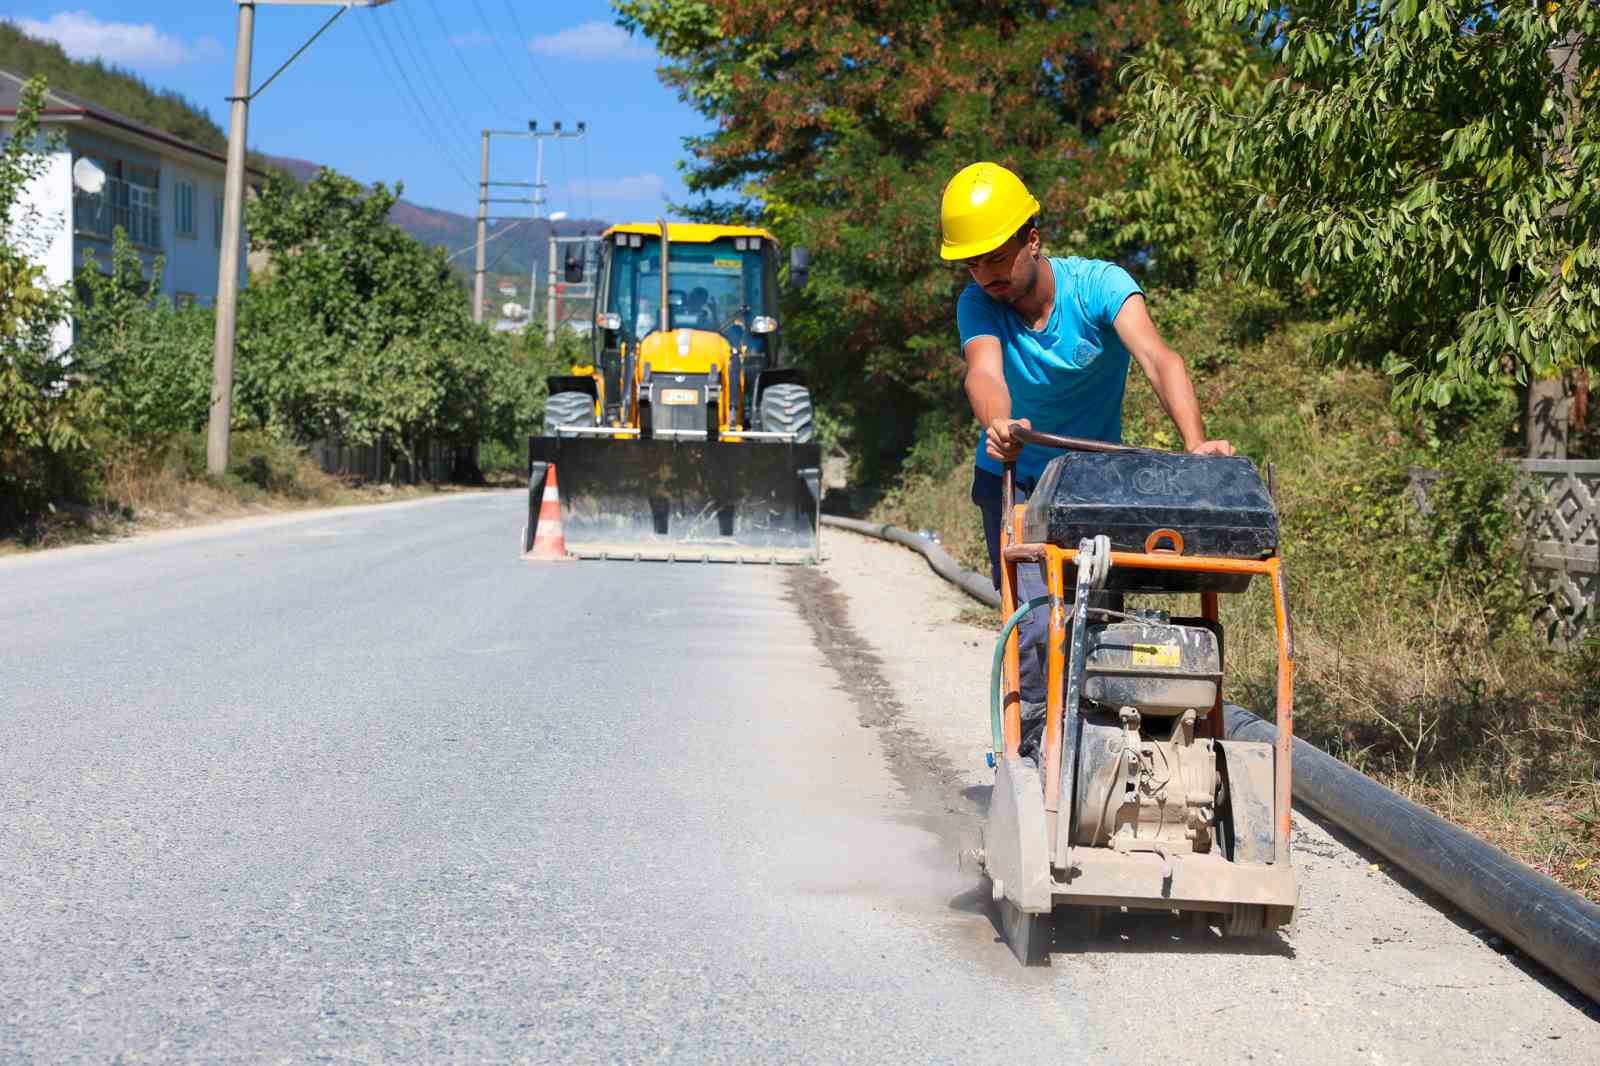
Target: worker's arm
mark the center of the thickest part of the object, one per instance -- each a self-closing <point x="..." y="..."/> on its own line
<point x="1168" y="376"/>
<point x="991" y="400"/>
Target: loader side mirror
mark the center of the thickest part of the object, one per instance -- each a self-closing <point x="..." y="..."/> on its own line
<point x="799" y="266"/>
<point x="572" y="270"/>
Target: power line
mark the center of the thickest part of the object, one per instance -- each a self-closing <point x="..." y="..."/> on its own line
<point x="499" y="257"/>
<point x="588" y="186"/>
<point x="449" y="117"/>
<point x="424" y="62"/>
<point x="566" y="186"/>
<point x="450" y="39"/>
<point x="525" y="41"/>
<point x="427" y="118"/>
<point x="510" y="66"/>
<point x="489" y="240"/>
<point x="422" y="112"/>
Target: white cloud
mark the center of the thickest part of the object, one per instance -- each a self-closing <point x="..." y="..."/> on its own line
<point x="637" y="188"/>
<point x="83" y="36"/>
<point x="591" y="40"/>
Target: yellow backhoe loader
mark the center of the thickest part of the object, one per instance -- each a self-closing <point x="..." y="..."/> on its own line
<point x="687" y="439"/>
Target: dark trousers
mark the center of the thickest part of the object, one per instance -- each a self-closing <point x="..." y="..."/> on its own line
<point x="1032" y="631"/>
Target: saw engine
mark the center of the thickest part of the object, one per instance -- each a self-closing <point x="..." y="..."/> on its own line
<point x="1147" y="778"/>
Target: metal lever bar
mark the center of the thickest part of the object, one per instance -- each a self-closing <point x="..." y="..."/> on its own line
<point x="1073" y="444"/>
<point x="1051" y="440"/>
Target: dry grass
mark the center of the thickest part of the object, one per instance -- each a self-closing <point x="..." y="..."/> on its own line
<point x="1502" y="740"/>
<point x="158" y="490"/>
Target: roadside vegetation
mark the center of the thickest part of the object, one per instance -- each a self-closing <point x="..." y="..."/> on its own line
<point x="354" y="333"/>
<point x="1367" y="230"/>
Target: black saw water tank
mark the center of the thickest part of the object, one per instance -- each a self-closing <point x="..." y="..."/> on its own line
<point x="1218" y="505"/>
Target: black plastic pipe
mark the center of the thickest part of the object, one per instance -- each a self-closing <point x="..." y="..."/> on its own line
<point x="978" y="587"/>
<point x="1547" y="921"/>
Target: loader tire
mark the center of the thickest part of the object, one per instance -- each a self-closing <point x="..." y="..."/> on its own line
<point x="786" y="408"/>
<point x="568" y="409"/>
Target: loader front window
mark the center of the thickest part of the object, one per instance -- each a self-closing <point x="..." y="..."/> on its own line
<point x="713" y="286"/>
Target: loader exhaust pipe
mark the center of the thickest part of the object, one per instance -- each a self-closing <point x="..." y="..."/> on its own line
<point x="666" y="308"/>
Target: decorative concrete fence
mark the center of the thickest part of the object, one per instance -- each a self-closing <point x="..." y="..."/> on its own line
<point x="1559" y="508"/>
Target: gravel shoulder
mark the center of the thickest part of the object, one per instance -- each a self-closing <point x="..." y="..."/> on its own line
<point x="1374" y="969"/>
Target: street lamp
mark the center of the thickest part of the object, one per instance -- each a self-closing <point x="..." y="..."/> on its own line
<point x="233" y="216"/>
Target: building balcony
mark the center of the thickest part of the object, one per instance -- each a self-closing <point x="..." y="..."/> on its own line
<point x="120" y="203"/>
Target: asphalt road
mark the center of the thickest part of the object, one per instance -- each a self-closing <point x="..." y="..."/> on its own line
<point x="366" y="787"/>
<point x="362" y="786"/>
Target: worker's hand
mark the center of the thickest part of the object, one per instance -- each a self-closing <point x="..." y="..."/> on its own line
<point x="1212" y="447"/>
<point x="1001" y="444"/>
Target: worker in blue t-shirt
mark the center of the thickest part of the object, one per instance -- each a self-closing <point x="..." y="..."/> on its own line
<point x="1047" y="343"/>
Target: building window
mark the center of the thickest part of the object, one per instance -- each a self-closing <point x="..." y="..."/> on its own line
<point x="183" y="208"/>
<point x="216" y="220"/>
<point x="131" y="199"/>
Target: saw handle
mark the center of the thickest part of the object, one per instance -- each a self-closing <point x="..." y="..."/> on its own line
<point x="1070" y="444"/>
<point x="1051" y="440"/>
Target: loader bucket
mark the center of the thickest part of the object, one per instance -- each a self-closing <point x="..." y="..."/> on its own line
<point x="681" y="500"/>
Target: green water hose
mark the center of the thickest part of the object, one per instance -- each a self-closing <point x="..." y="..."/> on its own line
<point x="999" y="662"/>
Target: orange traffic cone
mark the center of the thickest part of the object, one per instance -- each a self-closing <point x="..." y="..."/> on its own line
<point x="549" y="543"/>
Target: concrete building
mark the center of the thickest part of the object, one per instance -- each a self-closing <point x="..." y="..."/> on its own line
<point x="164" y="191"/>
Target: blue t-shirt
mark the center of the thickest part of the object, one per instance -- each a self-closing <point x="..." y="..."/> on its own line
<point x="1069" y="377"/>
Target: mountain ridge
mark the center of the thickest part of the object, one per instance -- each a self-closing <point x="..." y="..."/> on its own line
<point x="517" y="253"/>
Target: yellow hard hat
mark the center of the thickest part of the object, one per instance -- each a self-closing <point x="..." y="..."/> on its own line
<point x="983" y="206"/>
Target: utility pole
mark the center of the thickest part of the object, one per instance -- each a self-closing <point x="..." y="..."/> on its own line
<point x="538" y="212"/>
<point x="550" y="295"/>
<point x="483" y="233"/>
<point x="220" y="420"/>
<point x="540" y="136"/>
<point x="536" y="200"/>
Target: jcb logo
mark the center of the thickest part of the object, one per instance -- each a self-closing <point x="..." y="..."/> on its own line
<point x="1157" y="481"/>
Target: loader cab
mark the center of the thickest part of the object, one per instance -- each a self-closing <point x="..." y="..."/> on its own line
<point x="722" y="280"/>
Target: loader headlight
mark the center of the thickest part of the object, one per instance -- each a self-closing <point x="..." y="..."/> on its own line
<point x="764" y="324"/>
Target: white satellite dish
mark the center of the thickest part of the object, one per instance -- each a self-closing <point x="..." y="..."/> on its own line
<point x="88" y="176"/>
<point x="556" y="216"/>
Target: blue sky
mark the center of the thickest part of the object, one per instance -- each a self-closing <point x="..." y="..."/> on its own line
<point x="471" y="63"/>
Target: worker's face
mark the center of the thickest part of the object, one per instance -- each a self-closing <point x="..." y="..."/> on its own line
<point x="1010" y="272"/>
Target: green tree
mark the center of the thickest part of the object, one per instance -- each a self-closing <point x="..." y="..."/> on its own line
<point x="839" y="124"/>
<point x="357" y="331"/>
<point x="1424" y="167"/>
<point x="1176" y="190"/>
<point x="45" y="416"/>
<point x="151" y="360"/>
